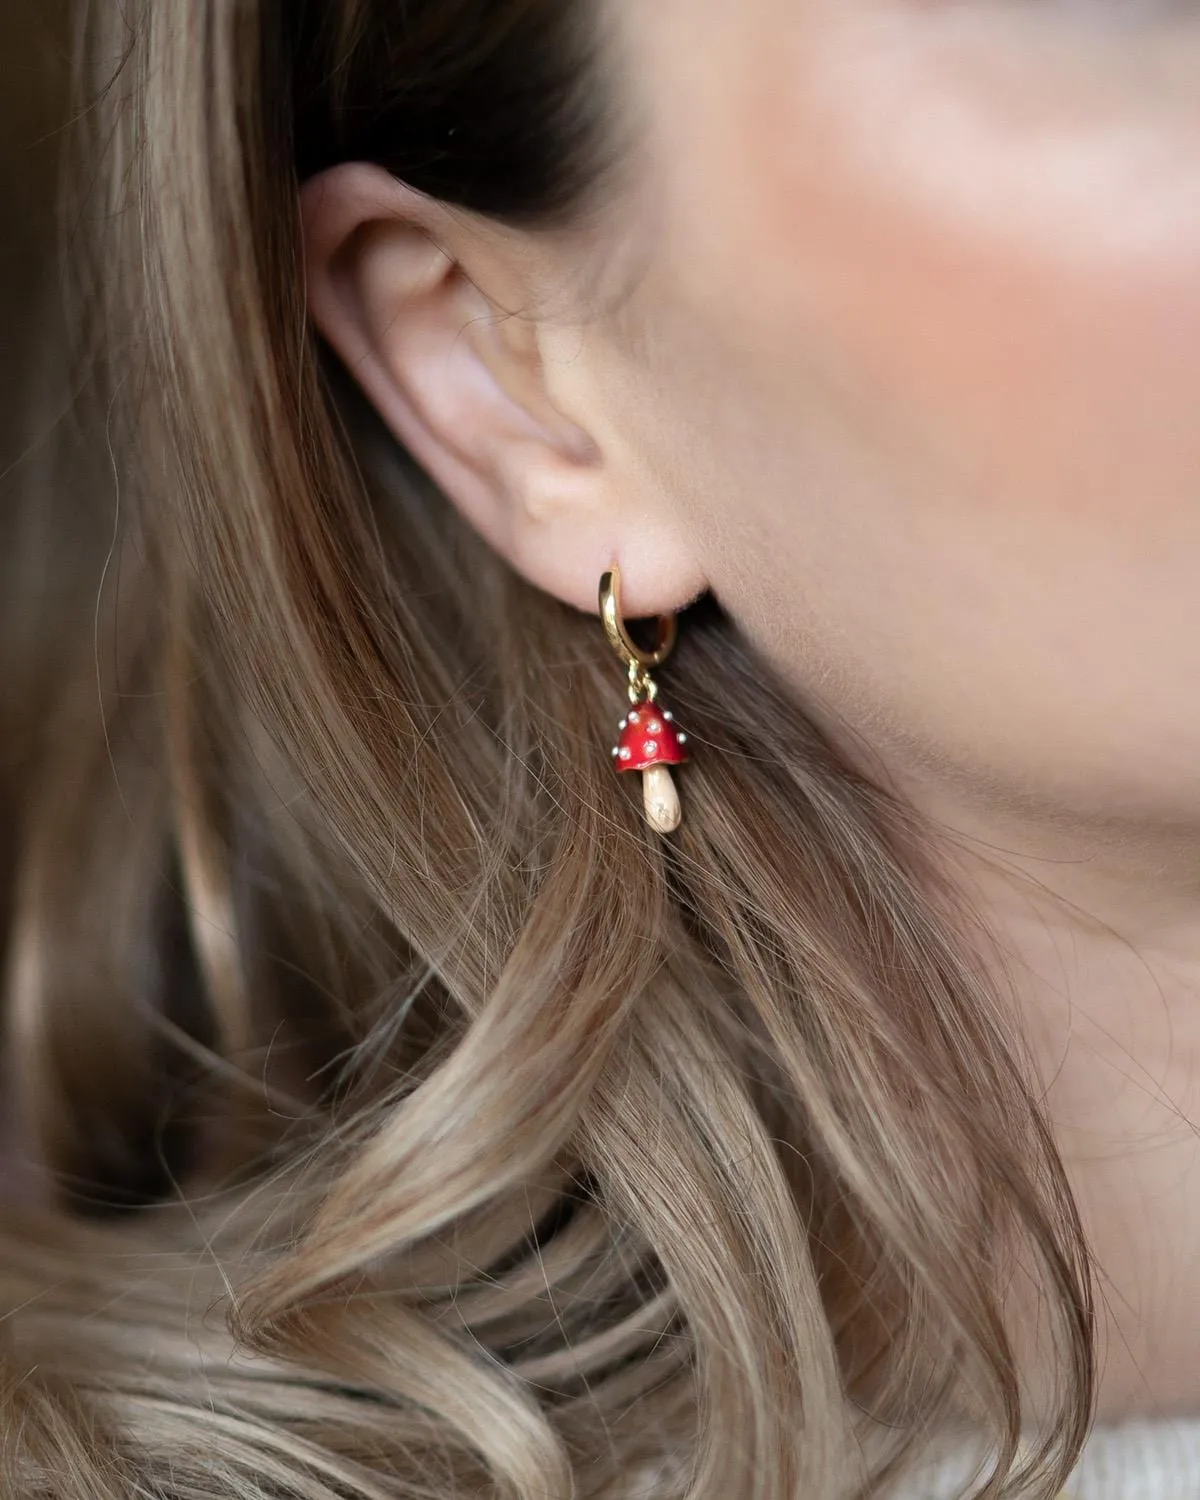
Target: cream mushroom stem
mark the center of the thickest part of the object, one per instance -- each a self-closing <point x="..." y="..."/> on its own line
<point x="660" y="799"/>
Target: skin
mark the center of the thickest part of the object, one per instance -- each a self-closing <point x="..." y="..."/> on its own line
<point x="890" y="335"/>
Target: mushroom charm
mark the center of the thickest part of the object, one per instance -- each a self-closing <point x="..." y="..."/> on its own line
<point x="650" y="743"/>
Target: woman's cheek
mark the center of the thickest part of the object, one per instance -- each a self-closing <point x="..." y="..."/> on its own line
<point x="1015" y="276"/>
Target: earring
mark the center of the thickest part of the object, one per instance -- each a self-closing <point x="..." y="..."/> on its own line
<point x="649" y="740"/>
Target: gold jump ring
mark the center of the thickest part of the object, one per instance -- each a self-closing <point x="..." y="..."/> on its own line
<point x="619" y="638"/>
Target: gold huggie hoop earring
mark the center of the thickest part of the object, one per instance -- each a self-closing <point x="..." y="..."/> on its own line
<point x="650" y="742"/>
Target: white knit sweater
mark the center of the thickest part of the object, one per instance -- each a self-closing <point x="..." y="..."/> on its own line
<point x="1138" y="1461"/>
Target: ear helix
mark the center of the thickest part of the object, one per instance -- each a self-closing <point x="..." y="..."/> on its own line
<point x="649" y="740"/>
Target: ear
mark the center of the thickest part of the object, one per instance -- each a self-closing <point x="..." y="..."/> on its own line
<point x="435" y="312"/>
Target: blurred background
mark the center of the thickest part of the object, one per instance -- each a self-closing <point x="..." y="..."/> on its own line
<point x="34" y="383"/>
<point x="33" y="84"/>
<point x="56" y="505"/>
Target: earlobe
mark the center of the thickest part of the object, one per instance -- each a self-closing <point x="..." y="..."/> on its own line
<point x="432" y="311"/>
<point x="396" y="285"/>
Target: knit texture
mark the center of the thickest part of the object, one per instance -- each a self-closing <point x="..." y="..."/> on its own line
<point x="1135" y="1461"/>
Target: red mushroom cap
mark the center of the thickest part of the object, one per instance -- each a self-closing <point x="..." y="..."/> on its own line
<point x="648" y="738"/>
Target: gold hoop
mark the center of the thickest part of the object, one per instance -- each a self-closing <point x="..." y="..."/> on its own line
<point x="634" y="657"/>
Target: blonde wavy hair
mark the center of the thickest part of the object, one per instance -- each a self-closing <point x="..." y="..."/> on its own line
<point x="416" y="1125"/>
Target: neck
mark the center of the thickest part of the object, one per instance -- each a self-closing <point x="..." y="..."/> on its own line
<point x="1096" y="933"/>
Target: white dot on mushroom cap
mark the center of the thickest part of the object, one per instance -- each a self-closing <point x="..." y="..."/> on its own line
<point x="654" y="726"/>
<point x="668" y="716"/>
<point x="616" y="751"/>
<point x="633" y="718"/>
<point x="626" y="753"/>
<point x="622" y="724"/>
<point x="651" y="747"/>
<point x="681" y="737"/>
